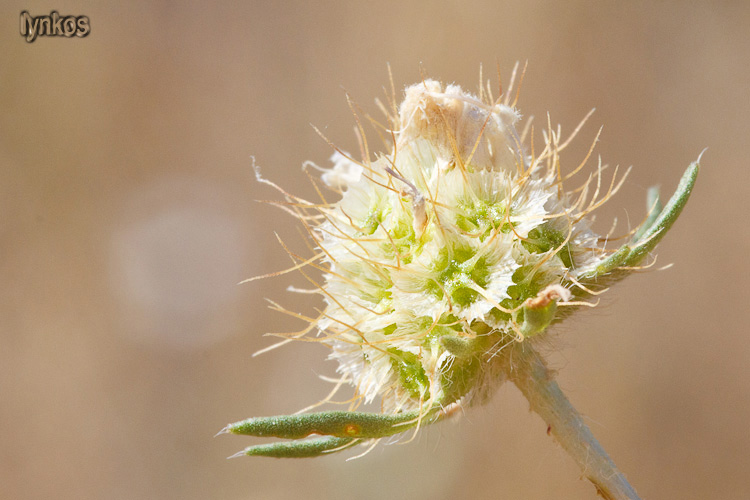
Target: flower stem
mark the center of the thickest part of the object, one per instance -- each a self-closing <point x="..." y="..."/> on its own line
<point x="531" y="375"/>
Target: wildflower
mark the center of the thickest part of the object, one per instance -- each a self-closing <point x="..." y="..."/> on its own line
<point x="458" y="244"/>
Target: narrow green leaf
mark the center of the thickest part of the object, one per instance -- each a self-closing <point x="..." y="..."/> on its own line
<point x="299" y="449"/>
<point x="653" y="203"/>
<point x="609" y="264"/>
<point x="343" y="424"/>
<point x="666" y="218"/>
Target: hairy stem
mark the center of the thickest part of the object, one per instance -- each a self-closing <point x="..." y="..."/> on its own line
<point x="535" y="380"/>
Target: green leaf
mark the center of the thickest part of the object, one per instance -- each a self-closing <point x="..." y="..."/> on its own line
<point x="653" y="203"/>
<point x="342" y="424"/>
<point x="656" y="231"/>
<point x="299" y="449"/>
<point x="659" y="221"/>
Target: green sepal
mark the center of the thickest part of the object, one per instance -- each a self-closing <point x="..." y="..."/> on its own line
<point x="300" y="449"/>
<point x="536" y="319"/>
<point x="464" y="347"/>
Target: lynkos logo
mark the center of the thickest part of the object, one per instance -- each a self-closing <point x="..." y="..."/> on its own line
<point x="53" y="25"/>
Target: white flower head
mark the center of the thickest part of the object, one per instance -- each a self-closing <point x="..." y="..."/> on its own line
<point x="443" y="258"/>
<point x="455" y="242"/>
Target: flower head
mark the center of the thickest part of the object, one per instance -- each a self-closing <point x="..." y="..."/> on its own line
<point x="457" y="241"/>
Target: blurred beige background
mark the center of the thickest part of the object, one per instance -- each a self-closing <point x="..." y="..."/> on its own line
<point x="128" y="217"/>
